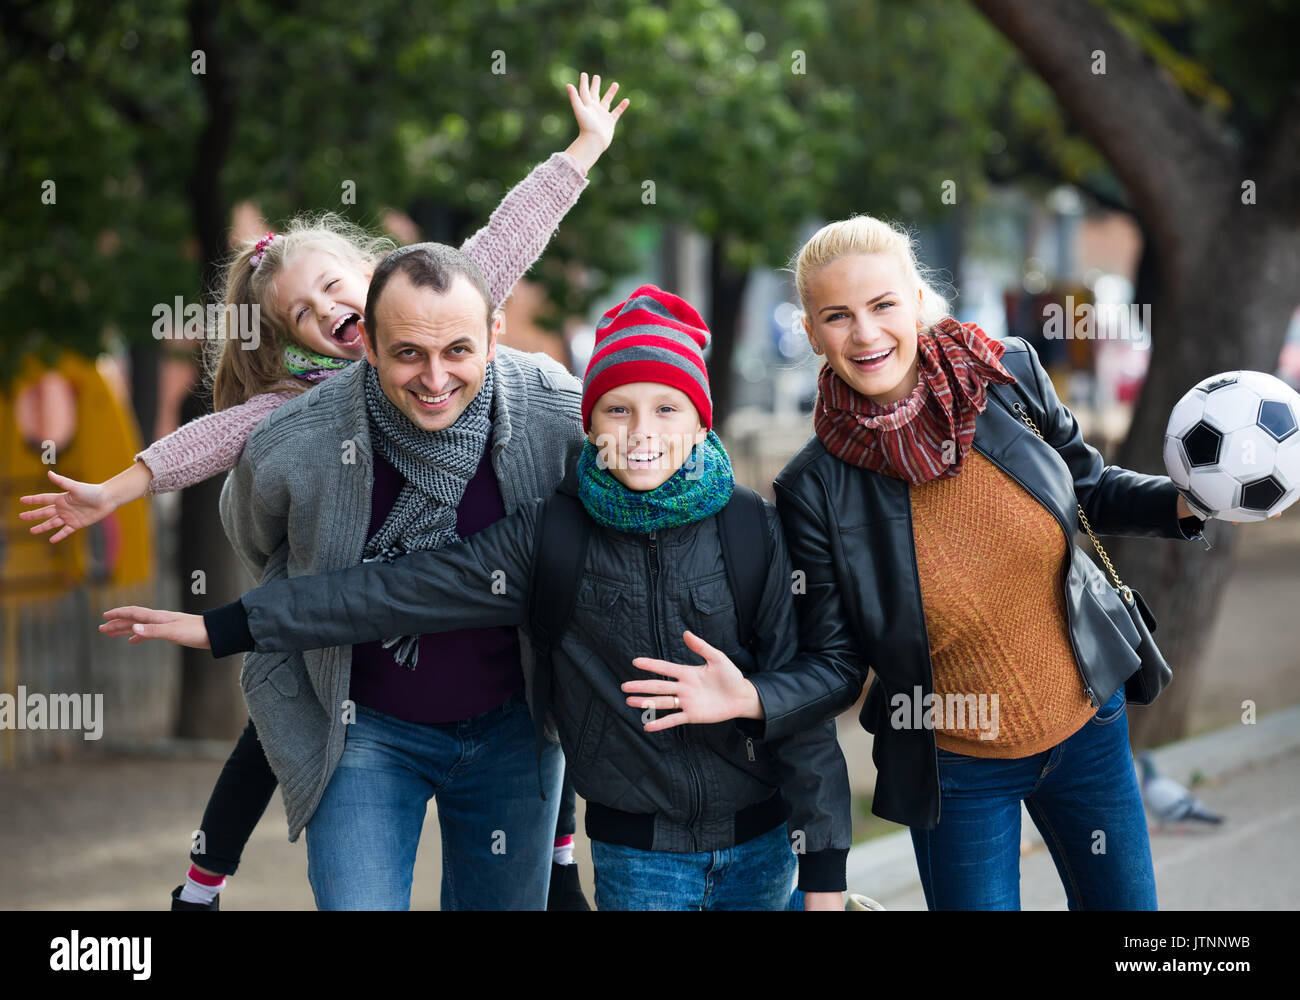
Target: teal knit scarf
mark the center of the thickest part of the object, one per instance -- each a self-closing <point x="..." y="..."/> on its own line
<point x="699" y="489"/>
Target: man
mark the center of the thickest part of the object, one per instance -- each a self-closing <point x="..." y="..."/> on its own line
<point x="438" y="433"/>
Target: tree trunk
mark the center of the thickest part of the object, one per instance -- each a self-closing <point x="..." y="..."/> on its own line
<point x="1226" y="274"/>
<point x="727" y="286"/>
<point x="1231" y="287"/>
<point x="212" y="705"/>
<point x="144" y="387"/>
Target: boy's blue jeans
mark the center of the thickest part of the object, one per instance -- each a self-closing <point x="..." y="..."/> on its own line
<point x="756" y="875"/>
<point x="1082" y="795"/>
<point x="497" y="833"/>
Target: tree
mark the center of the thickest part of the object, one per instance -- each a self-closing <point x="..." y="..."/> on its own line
<point x="1210" y="163"/>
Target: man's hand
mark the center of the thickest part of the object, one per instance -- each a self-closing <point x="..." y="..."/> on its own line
<point x="712" y="691"/>
<point x="146" y="623"/>
<point x="823" y="901"/>
<point x="595" y="119"/>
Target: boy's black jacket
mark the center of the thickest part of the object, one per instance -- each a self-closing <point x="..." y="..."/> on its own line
<point x="688" y="788"/>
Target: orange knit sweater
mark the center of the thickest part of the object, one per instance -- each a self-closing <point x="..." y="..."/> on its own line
<point x="991" y="559"/>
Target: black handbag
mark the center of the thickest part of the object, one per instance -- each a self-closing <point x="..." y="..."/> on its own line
<point x="1154" y="674"/>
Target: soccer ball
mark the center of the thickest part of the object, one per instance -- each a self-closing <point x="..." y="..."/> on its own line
<point x="1232" y="446"/>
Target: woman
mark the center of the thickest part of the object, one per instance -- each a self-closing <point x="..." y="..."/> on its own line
<point x="931" y="522"/>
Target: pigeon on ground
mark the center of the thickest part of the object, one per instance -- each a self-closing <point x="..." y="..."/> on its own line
<point x="1168" y="801"/>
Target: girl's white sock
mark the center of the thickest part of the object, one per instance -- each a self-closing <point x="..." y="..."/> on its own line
<point x="201" y="888"/>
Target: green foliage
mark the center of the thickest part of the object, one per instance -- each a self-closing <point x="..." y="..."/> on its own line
<point x="893" y="99"/>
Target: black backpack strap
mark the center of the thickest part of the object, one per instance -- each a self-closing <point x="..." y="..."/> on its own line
<point x="559" y="556"/>
<point x="740" y="522"/>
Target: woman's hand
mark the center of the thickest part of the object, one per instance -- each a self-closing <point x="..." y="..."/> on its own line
<point x="712" y="691"/>
<point x="146" y="623"/>
<point x="595" y="119"/>
<point x="823" y="901"/>
<point x="84" y="504"/>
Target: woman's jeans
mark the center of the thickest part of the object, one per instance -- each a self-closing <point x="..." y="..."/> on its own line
<point x="1083" y="797"/>
<point x="497" y="833"/>
<point x="756" y="875"/>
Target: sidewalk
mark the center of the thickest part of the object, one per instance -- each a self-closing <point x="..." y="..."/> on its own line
<point x="114" y="833"/>
<point x="1249" y="774"/>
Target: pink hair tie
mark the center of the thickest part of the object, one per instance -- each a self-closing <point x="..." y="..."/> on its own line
<point x="260" y="249"/>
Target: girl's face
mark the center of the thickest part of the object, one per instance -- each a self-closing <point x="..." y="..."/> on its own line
<point x="645" y="432"/>
<point x="863" y="316"/>
<point x="323" y="299"/>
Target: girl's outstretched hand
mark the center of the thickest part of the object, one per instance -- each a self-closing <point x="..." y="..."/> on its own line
<point x="596" y="120"/>
<point x="85" y="504"/>
<point x="712" y="691"/>
<point x="146" y="623"/>
<point x="81" y="506"/>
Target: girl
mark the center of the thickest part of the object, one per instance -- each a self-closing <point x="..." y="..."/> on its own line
<point x="310" y="285"/>
<point x="691" y="820"/>
<point x="937" y="527"/>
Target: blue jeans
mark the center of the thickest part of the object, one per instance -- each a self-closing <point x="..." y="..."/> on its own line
<point x="1082" y="795"/>
<point x="756" y="875"/>
<point x="497" y="833"/>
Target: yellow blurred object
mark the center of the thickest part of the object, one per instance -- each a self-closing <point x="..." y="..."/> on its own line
<point x="67" y="418"/>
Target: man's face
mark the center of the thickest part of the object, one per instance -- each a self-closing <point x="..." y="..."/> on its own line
<point x="432" y="349"/>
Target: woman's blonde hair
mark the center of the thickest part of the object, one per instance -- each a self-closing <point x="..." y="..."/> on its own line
<point x="237" y="374"/>
<point x="865" y="234"/>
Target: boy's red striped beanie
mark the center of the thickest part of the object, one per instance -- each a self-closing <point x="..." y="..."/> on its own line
<point x="652" y="336"/>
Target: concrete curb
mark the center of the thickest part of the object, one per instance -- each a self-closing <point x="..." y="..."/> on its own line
<point x="885" y="866"/>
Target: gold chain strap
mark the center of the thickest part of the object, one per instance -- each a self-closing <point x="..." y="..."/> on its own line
<point x="1110" y="568"/>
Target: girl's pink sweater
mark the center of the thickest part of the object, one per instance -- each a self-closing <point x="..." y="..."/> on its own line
<point x="514" y="237"/>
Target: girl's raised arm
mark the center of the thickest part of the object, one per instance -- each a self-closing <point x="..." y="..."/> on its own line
<point x="189" y="455"/>
<point x="522" y="225"/>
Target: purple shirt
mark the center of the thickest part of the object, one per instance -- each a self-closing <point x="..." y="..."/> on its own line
<point x="459" y="674"/>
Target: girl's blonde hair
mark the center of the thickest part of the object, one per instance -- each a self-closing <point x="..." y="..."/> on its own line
<point x="865" y="234"/>
<point x="236" y="374"/>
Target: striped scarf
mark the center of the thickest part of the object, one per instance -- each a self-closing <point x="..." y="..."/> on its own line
<point x="926" y="435"/>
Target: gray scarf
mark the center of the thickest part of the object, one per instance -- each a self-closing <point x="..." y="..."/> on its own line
<point x="437" y="466"/>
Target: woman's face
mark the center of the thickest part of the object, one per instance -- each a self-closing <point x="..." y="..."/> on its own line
<point x="863" y="315"/>
<point x="323" y="299"/>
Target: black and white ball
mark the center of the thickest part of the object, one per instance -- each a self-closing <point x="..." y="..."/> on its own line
<point x="1232" y="446"/>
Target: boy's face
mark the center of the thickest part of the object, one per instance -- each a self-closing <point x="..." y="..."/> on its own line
<point x="645" y="432"/>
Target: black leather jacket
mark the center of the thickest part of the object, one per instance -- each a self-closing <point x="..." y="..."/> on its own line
<point x="850" y="531"/>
